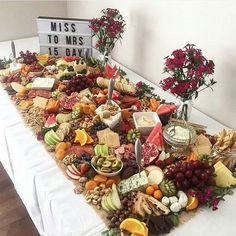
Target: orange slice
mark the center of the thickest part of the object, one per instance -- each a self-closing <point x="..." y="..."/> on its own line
<point x="80" y="137"/>
<point x="192" y="203"/>
<point x="133" y="226"/>
<point x="89" y="139"/>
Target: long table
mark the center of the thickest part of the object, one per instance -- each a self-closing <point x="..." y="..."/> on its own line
<point x="48" y="194"/>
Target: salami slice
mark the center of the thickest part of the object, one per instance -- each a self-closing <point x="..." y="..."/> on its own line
<point x="39" y="92"/>
<point x="149" y="152"/>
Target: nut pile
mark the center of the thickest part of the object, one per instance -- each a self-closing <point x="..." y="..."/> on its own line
<point x="34" y="118"/>
<point x="95" y="196"/>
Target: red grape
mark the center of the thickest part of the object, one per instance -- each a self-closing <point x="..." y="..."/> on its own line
<point x="179" y="176"/>
<point x="197" y="172"/>
<point x="188" y="173"/>
<point x="204" y="176"/>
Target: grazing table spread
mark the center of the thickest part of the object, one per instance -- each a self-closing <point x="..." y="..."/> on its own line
<point x="48" y="194"/>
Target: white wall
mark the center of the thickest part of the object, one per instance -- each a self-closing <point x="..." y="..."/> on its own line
<point x="18" y="18"/>
<point x="156" y="27"/>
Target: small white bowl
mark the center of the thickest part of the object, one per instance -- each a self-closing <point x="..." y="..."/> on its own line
<point x="145" y="129"/>
<point x="108" y="174"/>
<point x="113" y="120"/>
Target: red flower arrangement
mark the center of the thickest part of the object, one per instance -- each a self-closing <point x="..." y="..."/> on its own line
<point x="189" y="71"/>
<point x="108" y="29"/>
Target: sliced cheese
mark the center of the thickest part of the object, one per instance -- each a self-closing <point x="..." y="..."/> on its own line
<point x="112" y="140"/>
<point x="40" y="102"/>
<point x="5" y="72"/>
<point x="202" y="146"/>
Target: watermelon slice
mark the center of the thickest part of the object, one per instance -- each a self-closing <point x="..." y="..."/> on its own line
<point x="164" y="109"/>
<point x="51" y="123"/>
<point x="156" y="136"/>
<point x="115" y="95"/>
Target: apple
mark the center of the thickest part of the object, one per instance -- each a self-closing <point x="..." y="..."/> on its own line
<point x="72" y="176"/>
<point x="75" y="169"/>
<point x="97" y="150"/>
<point x="115" y="197"/>
<point x="109" y="202"/>
<point x="70" y="168"/>
<point x="51" y="138"/>
<point x="104" y="205"/>
<point x="104" y="149"/>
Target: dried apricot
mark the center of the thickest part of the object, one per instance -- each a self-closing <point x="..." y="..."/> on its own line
<point x="60" y="154"/>
<point x="61" y="145"/>
<point x="109" y="183"/>
<point x="150" y="190"/>
<point x="86" y="109"/>
<point x="92" y="107"/>
<point x="158" y="194"/>
<point x="68" y="145"/>
<point x="90" y="185"/>
<point x="155" y="186"/>
<point x="100" y="178"/>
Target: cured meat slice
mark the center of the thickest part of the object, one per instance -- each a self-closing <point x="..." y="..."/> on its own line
<point x="68" y="102"/>
<point x="39" y="92"/>
<point x="78" y="150"/>
<point x="149" y="152"/>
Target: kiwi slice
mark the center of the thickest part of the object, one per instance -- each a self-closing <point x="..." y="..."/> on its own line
<point x="115" y="164"/>
<point x="106" y="170"/>
<point x="106" y="164"/>
<point x="100" y="161"/>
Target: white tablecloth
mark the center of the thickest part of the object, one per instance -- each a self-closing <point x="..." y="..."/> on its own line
<point x="48" y="195"/>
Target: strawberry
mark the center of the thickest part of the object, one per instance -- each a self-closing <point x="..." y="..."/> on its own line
<point x="101" y="100"/>
<point x="126" y="126"/>
<point x="138" y="104"/>
<point x="83" y="168"/>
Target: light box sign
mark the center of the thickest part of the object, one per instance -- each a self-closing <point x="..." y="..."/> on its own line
<point x="64" y="36"/>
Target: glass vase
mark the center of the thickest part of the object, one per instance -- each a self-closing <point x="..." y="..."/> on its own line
<point x="184" y="109"/>
<point x="105" y="57"/>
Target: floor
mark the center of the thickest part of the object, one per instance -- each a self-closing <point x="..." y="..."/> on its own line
<point x="14" y="218"/>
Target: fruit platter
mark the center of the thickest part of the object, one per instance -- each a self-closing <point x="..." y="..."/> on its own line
<point x="177" y="169"/>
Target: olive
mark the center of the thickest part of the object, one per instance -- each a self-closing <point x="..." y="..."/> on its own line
<point x="129" y="203"/>
<point x="117" y="223"/>
<point x="109" y="216"/>
<point x="113" y="219"/>
<point x="112" y="225"/>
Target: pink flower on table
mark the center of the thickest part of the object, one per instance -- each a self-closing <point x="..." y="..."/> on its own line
<point x="139" y="84"/>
